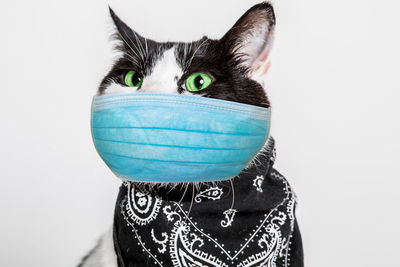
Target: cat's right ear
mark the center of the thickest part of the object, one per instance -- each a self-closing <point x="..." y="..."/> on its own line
<point x="130" y="39"/>
<point x="250" y="40"/>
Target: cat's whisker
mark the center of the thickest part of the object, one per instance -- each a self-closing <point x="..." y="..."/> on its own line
<point x="188" y="51"/>
<point x="191" y="202"/>
<point x="233" y="194"/>
<point x="137" y="53"/>
<point x="142" y="58"/>
<point x="197" y="49"/>
<point x="131" y="49"/>
<point x="184" y="193"/>
<point x="147" y="48"/>
<point x="132" y="59"/>
<point x="188" y="47"/>
<point x="141" y="50"/>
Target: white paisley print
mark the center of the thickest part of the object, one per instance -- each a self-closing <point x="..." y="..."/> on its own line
<point x="176" y="239"/>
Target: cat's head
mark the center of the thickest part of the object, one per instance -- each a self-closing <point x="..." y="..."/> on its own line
<point x="230" y="68"/>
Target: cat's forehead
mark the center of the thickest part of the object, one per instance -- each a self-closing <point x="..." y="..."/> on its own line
<point x="185" y="52"/>
<point x="182" y="52"/>
<point x="164" y="74"/>
<point x="175" y="55"/>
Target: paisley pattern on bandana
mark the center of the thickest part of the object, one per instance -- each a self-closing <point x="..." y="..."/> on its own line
<point x="213" y="193"/>
<point x="141" y="207"/>
<point x="255" y="232"/>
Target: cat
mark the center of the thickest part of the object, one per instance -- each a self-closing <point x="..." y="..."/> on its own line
<point x="231" y="68"/>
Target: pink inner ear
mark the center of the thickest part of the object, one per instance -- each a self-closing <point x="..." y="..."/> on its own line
<point x="266" y="68"/>
<point x="262" y="68"/>
<point x="261" y="64"/>
<point x="264" y="54"/>
<point x="260" y="48"/>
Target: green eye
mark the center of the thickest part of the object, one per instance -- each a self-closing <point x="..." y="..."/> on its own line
<point x="197" y="81"/>
<point x="133" y="79"/>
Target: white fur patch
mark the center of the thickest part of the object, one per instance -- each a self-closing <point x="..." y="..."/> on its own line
<point x="165" y="74"/>
<point x="104" y="254"/>
<point x="162" y="79"/>
<point x="116" y="88"/>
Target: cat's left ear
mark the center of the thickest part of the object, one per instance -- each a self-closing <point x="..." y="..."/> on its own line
<point x="250" y="40"/>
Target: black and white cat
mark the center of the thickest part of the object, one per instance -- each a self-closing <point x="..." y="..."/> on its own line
<point x="231" y="68"/>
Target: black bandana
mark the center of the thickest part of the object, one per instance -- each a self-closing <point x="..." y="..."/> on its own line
<point x="248" y="221"/>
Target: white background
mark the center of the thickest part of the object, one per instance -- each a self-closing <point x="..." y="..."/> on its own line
<point x="334" y="85"/>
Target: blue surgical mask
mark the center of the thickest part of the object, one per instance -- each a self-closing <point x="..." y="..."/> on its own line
<point x="176" y="138"/>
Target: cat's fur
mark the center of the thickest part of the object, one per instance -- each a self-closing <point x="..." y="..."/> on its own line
<point x="237" y="63"/>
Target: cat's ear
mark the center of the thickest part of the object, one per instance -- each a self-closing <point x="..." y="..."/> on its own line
<point x="250" y="40"/>
<point x="131" y="39"/>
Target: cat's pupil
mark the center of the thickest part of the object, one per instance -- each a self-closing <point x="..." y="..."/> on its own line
<point x="136" y="79"/>
<point x="198" y="82"/>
